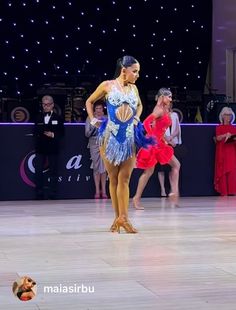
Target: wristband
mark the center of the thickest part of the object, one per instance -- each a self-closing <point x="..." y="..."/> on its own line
<point x="93" y="121"/>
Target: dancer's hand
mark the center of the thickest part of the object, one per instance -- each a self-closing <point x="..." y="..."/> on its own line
<point x="95" y="122"/>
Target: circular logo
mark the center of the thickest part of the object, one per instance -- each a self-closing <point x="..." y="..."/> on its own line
<point x="27" y="168"/>
<point x="20" y="115"/>
<point x="24" y="288"/>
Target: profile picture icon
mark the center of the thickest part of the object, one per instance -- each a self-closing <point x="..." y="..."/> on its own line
<point x="24" y="288"/>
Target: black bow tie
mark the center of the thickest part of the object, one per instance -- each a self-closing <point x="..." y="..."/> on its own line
<point x="47" y="113"/>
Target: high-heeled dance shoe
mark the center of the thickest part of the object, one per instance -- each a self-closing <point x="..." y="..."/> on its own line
<point x="104" y="196"/>
<point x="126" y="225"/>
<point x="114" y="226"/>
<point x="96" y="196"/>
<point x="137" y="205"/>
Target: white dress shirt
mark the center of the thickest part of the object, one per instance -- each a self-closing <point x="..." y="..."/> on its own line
<point x="47" y="118"/>
<point x="175" y="124"/>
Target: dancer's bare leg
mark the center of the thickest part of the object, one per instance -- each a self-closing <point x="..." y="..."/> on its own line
<point x="143" y="180"/>
<point x="124" y="175"/>
<point x="119" y="177"/>
<point x="174" y="177"/>
<point x="113" y="183"/>
<point x="161" y="177"/>
<point x="123" y="195"/>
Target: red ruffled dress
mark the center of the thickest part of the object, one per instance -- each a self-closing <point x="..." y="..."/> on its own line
<point x="225" y="162"/>
<point x="161" y="152"/>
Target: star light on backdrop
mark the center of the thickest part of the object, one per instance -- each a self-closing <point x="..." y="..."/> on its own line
<point x="40" y="39"/>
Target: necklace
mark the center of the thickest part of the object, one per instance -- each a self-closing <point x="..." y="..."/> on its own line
<point x="123" y="88"/>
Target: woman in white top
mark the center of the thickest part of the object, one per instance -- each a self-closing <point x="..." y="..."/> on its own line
<point x="173" y="137"/>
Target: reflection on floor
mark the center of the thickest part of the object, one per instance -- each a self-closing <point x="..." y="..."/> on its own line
<point x="183" y="257"/>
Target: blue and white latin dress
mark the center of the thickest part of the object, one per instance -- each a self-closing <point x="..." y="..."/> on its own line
<point x="117" y="134"/>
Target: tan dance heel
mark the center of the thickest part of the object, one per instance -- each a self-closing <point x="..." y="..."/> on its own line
<point x="126" y="225"/>
<point x="114" y="227"/>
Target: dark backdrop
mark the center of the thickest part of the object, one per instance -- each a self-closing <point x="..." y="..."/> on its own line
<point x="75" y="175"/>
<point x="68" y="42"/>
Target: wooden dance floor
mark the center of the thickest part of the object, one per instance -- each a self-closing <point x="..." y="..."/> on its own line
<point x="183" y="258"/>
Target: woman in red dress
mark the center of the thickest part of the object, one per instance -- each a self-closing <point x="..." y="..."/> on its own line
<point x="155" y="125"/>
<point x="225" y="160"/>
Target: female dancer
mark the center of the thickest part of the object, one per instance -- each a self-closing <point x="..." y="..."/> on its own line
<point x="156" y="125"/>
<point x="117" y="134"/>
<point x="173" y="137"/>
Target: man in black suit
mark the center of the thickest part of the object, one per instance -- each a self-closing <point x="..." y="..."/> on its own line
<point x="49" y="129"/>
